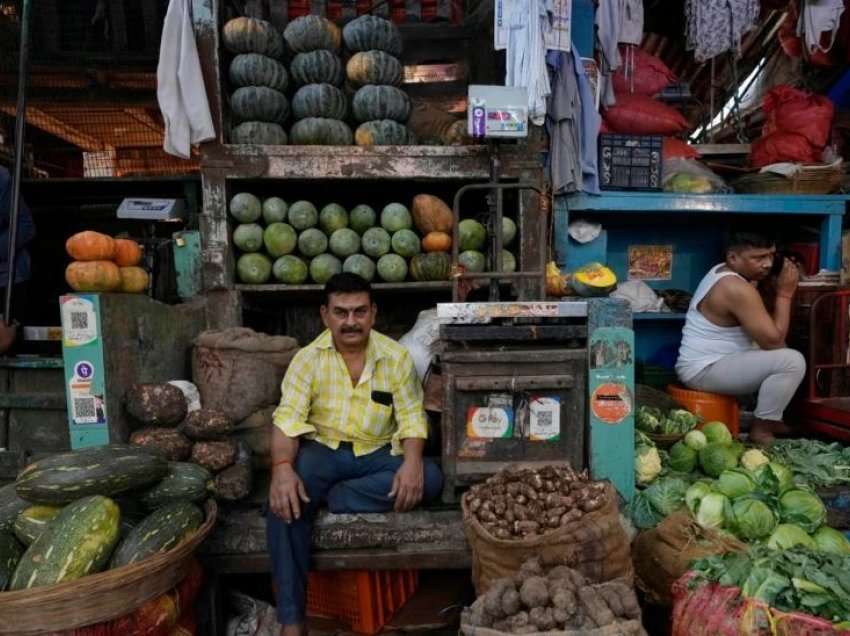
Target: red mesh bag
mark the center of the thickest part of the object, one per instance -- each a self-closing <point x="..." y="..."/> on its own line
<point x="651" y="75"/>
<point x="674" y="148"/>
<point x="642" y="115"/>
<point x="782" y="146"/>
<point x="792" y="110"/>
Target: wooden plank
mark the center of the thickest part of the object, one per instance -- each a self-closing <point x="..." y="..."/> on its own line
<point x="54" y="126"/>
<point x="541" y="356"/>
<point x="311" y="288"/>
<point x="218" y="261"/>
<point x="205" y="16"/>
<point x="512" y="332"/>
<point x="42" y="401"/>
<point x="515" y="383"/>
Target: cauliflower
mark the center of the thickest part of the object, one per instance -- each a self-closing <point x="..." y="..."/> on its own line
<point x="647" y="464"/>
<point x="754" y="458"/>
<point x="648" y="419"/>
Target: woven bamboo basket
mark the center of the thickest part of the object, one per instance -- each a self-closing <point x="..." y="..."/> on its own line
<point x="817" y="179"/>
<point x="102" y="596"/>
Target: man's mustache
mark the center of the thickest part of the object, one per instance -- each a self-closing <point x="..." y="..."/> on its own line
<point x="352" y="330"/>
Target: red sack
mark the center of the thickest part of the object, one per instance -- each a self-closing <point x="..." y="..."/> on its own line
<point x="674" y="148"/>
<point x="792" y="110"/>
<point x="715" y="610"/>
<point x="651" y="75"/>
<point x="642" y="115"/>
<point x="782" y="146"/>
<point x="605" y="128"/>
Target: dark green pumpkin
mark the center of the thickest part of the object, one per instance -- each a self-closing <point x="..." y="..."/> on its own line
<point x="374" y="67"/>
<point x="10" y="554"/>
<point x="258" y="133"/>
<point x="33" y="521"/>
<point x="380" y="102"/>
<point x="318" y="131"/>
<point x="160" y="531"/>
<point x="185" y="481"/>
<point x="253" y="69"/>
<point x="250" y="35"/>
<point x="383" y="132"/>
<point x="430" y="266"/>
<point x="259" y="103"/>
<point x="319" y="100"/>
<point x="10" y="506"/>
<point x="317" y="67"/>
<point x="312" y="33"/>
<point x="370" y="32"/>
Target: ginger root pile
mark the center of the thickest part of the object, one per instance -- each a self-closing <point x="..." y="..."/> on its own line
<point x="536" y="600"/>
<point x="516" y="504"/>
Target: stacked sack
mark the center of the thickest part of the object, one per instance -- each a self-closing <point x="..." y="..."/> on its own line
<point x="104" y="264"/>
<point x="196" y="441"/>
<point x="319" y="106"/>
<point x="258" y="103"/>
<point x="374" y="70"/>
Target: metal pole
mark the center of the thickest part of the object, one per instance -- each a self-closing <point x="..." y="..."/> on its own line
<point x="20" y="121"/>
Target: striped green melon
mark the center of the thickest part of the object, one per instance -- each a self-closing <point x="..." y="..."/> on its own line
<point x="250" y="35"/>
<point x="319" y="131"/>
<point x="78" y="542"/>
<point x="431" y="266"/>
<point x="10" y="506"/>
<point x="312" y="33"/>
<point x="370" y="32"/>
<point x="319" y="100"/>
<point x="160" y="531"/>
<point x="373" y="67"/>
<point x="10" y="554"/>
<point x="185" y="481"/>
<point x="259" y="103"/>
<point x="374" y="102"/>
<point x="317" y="67"/>
<point x="101" y="470"/>
<point x="253" y="69"/>
<point x="259" y="133"/>
<point x="33" y="521"/>
<point x="384" y="132"/>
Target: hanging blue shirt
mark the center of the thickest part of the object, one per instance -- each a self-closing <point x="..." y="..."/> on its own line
<point x="26" y="233"/>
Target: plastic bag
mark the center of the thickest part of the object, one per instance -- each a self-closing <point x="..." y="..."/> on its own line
<point x="642" y="115"/>
<point x="650" y="75"/>
<point x="193" y="396"/>
<point x="689" y="176"/>
<point x="789" y="109"/>
<point x="250" y="617"/>
<point x="640" y="296"/>
<point x="421" y="340"/>
<point x="783" y="146"/>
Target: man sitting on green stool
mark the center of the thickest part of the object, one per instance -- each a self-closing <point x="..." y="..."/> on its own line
<point x="733" y="345"/>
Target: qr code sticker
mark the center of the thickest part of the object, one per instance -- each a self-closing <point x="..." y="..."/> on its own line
<point x="85" y="410"/>
<point x="79" y="320"/>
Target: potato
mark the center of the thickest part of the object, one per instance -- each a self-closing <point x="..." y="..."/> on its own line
<point x="234" y="483"/>
<point x="169" y="441"/>
<point x="216" y="455"/>
<point x="156" y="404"/>
<point x="206" y="424"/>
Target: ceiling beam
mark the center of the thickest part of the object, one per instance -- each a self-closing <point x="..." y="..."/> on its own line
<point x="57" y="127"/>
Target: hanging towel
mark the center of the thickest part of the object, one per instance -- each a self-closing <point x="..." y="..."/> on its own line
<point x="631" y="22"/>
<point x="180" y="86"/>
<point x="608" y="25"/>
<point x="528" y="21"/>
<point x="819" y="17"/>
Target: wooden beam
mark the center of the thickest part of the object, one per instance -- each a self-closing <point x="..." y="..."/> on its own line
<point x="57" y="127"/>
<point x="143" y="117"/>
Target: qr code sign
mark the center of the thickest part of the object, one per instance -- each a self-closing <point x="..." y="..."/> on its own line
<point x="85" y="410"/>
<point x="545" y="419"/>
<point x="79" y="320"/>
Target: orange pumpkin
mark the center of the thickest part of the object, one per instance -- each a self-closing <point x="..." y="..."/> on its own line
<point x="90" y="246"/>
<point x="431" y="214"/>
<point x="436" y="242"/>
<point x="127" y="253"/>
<point x="134" y="280"/>
<point x="93" y="276"/>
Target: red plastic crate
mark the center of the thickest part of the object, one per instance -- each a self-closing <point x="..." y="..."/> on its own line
<point x="366" y="599"/>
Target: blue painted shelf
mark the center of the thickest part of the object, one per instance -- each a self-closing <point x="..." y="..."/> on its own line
<point x="816" y="204"/>
<point x="658" y="315"/>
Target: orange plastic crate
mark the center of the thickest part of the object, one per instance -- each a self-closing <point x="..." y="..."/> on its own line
<point x="366" y="599"/>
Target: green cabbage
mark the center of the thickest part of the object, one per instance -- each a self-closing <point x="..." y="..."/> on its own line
<point x="648" y="419"/>
<point x="788" y="535"/>
<point x="735" y="483"/>
<point x="802" y="508"/>
<point x="647" y="464"/>
<point x="832" y="541"/>
<point x="683" y="458"/>
<point x="717" y="432"/>
<point x="753" y="458"/>
<point x="696" y="440"/>
<point x="713" y="510"/>
<point x="774" y="479"/>
<point x="667" y="495"/>
<point x="679" y="421"/>
<point x="695" y="493"/>
<point x="753" y="519"/>
<point x="715" y="458"/>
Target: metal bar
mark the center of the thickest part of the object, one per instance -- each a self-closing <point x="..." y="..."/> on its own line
<point x="20" y="120"/>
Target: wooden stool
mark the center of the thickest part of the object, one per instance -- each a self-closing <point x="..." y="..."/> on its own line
<point x="710" y="407"/>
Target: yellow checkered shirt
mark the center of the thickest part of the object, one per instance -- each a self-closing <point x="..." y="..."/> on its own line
<point x="319" y="402"/>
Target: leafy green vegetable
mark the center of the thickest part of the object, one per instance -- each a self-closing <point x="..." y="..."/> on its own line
<point x="787" y="535"/>
<point x="648" y="419"/>
<point x="642" y="513"/>
<point x="679" y="421"/>
<point x="752" y="519"/>
<point x="753" y="459"/>
<point x="667" y="495"/>
<point x="683" y="458"/>
<point x="735" y="483"/>
<point x="773" y="479"/>
<point x="696" y="492"/>
<point x="802" y="508"/>
<point x="796" y="579"/>
<point x="713" y="510"/>
<point x="813" y="463"/>
<point x="696" y="440"/>
<point x="647" y="464"/>
<point x="831" y="540"/>
<point x="717" y="432"/>
<point x="715" y="458"/>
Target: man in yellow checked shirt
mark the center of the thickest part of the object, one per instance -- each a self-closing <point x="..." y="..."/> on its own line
<point x="350" y="430"/>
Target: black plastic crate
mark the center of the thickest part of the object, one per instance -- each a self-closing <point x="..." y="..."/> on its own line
<point x="630" y="162"/>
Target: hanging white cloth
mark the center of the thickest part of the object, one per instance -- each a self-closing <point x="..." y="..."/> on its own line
<point x="631" y="22"/>
<point x="528" y="21"/>
<point x="180" y="86"/>
<point x="816" y="18"/>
